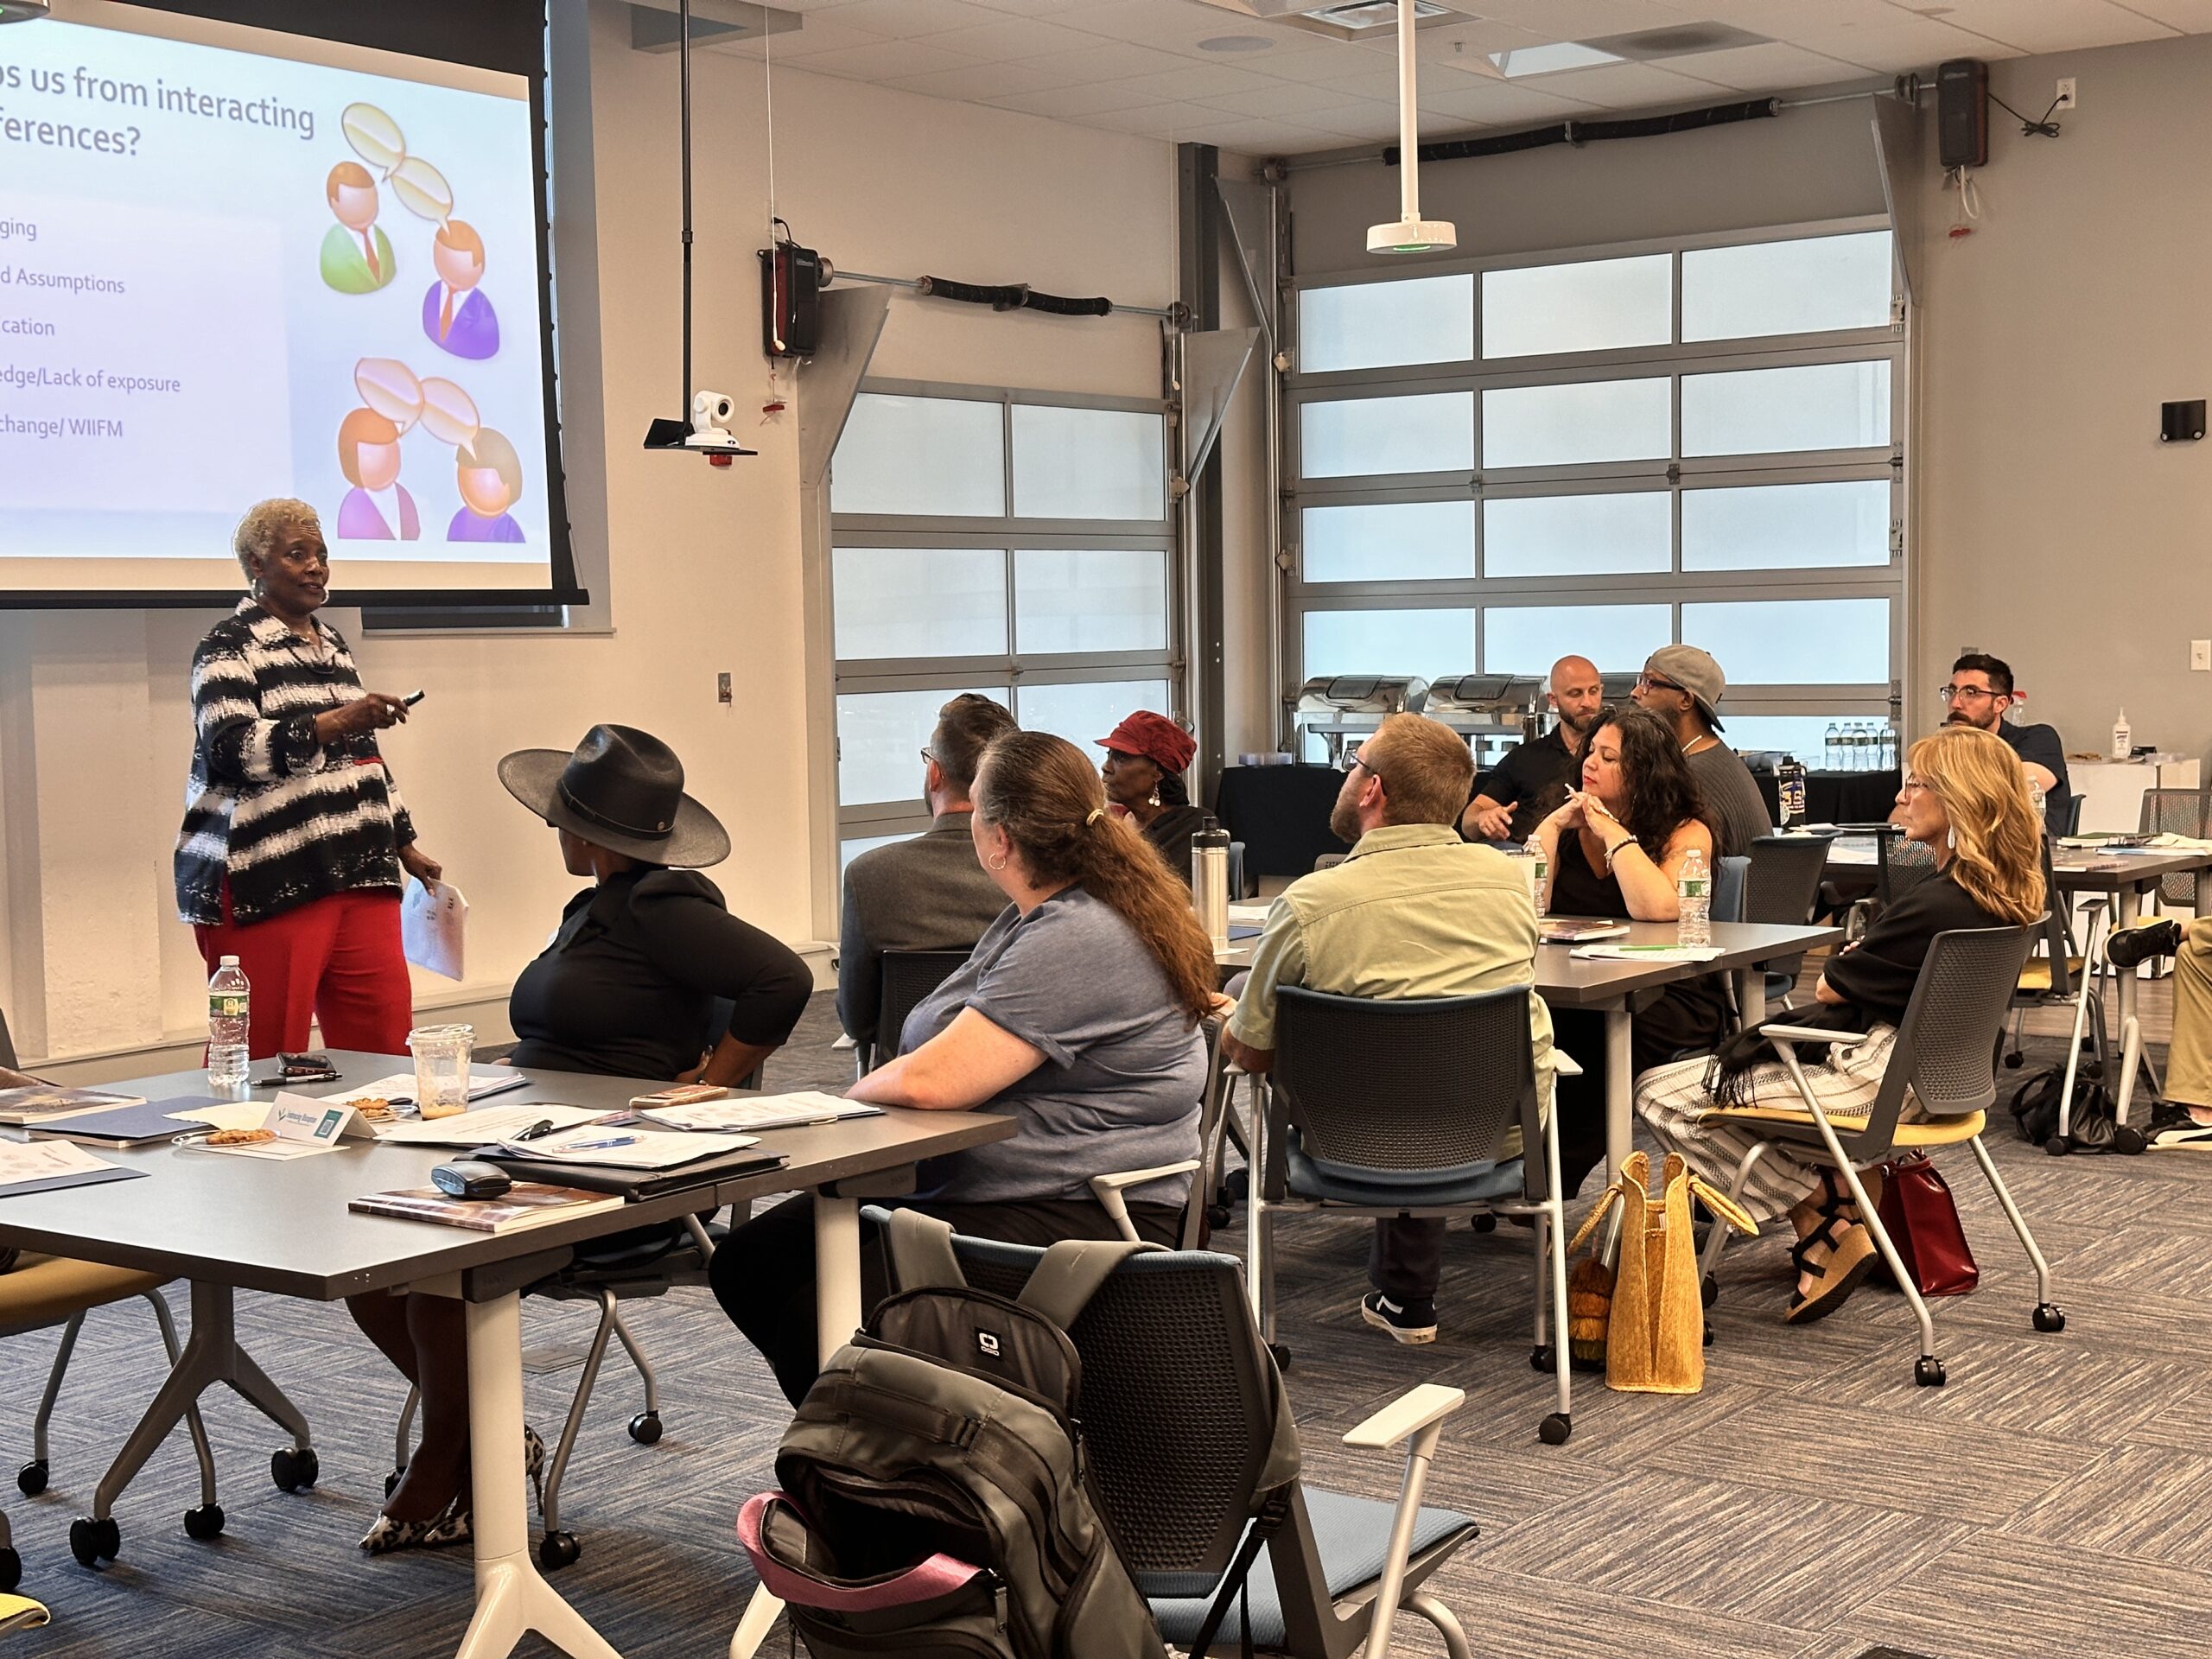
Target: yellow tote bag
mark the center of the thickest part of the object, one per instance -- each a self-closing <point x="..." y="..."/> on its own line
<point x="1654" y="1339"/>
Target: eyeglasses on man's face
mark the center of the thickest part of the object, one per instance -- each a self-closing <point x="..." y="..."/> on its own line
<point x="1969" y="694"/>
<point x="1352" y="758"/>
<point x="1647" y="682"/>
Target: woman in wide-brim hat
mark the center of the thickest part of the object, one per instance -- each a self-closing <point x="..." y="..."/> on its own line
<point x="648" y="975"/>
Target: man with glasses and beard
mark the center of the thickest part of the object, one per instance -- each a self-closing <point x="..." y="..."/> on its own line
<point x="1531" y="782"/>
<point x="1980" y="692"/>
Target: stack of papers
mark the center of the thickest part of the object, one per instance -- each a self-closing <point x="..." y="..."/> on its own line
<point x="612" y="1148"/>
<point x="482" y="1128"/>
<point x="398" y="1090"/>
<point x="1647" y="952"/>
<point x="33" y="1166"/>
<point x="760" y="1112"/>
<point x="43" y="1102"/>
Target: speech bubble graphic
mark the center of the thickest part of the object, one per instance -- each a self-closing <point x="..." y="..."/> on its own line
<point x="375" y="137"/>
<point x="449" y="413"/>
<point x="423" y="189"/>
<point x="389" y="387"/>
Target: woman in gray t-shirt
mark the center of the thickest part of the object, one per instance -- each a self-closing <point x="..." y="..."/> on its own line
<point x="1077" y="1014"/>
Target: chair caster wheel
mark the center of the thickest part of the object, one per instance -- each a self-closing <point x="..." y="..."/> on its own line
<point x="1219" y="1216"/>
<point x="295" y="1470"/>
<point x="1709" y="1333"/>
<point x="11" y="1570"/>
<point x="559" y="1550"/>
<point x="1708" y="1291"/>
<point x="1541" y="1358"/>
<point x="2128" y="1141"/>
<point x="2058" y="1145"/>
<point x="94" y="1541"/>
<point x="1928" y="1371"/>
<point x="1281" y="1354"/>
<point x="1485" y="1223"/>
<point x="1554" y="1429"/>
<point x="644" y="1427"/>
<point x="30" y="1479"/>
<point x="204" y="1522"/>
<point x="2048" y="1318"/>
<point x="391" y="1481"/>
<point x="2014" y="1062"/>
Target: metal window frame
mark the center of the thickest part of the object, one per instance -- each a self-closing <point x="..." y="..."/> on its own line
<point x="1013" y="669"/>
<point x="1674" y="472"/>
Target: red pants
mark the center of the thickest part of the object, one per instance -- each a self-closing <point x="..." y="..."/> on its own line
<point x="336" y="959"/>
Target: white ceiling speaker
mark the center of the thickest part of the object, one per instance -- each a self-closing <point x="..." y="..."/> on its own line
<point x="1411" y="233"/>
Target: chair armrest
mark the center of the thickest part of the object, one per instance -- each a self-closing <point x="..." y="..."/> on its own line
<point x="1563" y="1065"/>
<point x="1410" y="1412"/>
<point x="1120" y="1181"/>
<point x="1808" y="1035"/>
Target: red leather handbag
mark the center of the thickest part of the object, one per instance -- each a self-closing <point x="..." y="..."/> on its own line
<point x="1923" y="1222"/>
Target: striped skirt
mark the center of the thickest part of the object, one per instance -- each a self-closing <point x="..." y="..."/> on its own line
<point x="1672" y="1101"/>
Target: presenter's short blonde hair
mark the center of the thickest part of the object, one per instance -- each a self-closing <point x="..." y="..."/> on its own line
<point x="263" y="526"/>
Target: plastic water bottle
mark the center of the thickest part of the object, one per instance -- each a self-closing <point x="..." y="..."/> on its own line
<point x="1540" y="887"/>
<point x="1862" y="736"/>
<point x="1694" y="893"/>
<point x="228" y="999"/>
<point x="1889" y="748"/>
<point x="2036" y="798"/>
<point x="1790" y="790"/>
<point x="1832" y="751"/>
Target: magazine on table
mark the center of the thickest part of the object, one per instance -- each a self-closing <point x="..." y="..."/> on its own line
<point x="526" y="1204"/>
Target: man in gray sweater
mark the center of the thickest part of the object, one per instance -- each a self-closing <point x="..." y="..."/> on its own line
<point x="928" y="894"/>
<point x="1682" y="686"/>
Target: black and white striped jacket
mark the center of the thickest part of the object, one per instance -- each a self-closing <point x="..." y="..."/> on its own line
<point x="286" y="820"/>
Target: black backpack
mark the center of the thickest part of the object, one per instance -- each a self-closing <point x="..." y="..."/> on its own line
<point x="933" y="1500"/>
<point x="2093" y="1125"/>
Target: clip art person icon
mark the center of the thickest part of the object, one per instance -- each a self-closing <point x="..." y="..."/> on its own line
<point x="456" y="315"/>
<point x="489" y="474"/>
<point x="378" y="508"/>
<point x="357" y="256"/>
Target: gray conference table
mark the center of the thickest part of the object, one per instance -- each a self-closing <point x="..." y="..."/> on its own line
<point x="2125" y="874"/>
<point x="228" y="1222"/>
<point x="1564" y="980"/>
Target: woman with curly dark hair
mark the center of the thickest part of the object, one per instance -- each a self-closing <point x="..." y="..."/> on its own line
<point x="1617" y="848"/>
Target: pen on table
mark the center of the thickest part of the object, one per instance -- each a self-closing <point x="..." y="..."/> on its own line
<point x="543" y="1126"/>
<point x="606" y="1145"/>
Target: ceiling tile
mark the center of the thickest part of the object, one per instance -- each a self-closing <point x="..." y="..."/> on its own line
<point x="902" y="19"/>
<point x="1109" y="60"/>
<point x="1772" y="68"/>
<point x="981" y="83"/>
<point x="1898" y="43"/>
<point x="1311" y="64"/>
<point x="2192" y="16"/>
<point x="1282" y="100"/>
<point x="1782" y="20"/>
<point x="885" y="61"/>
<point x="819" y="34"/>
<point x="1376" y="124"/>
<point x="1375" y="81"/>
<point x="1175" y="25"/>
<point x="1076" y="103"/>
<point x="1628" y="86"/>
<point x="1201" y="81"/>
<point x="1579" y="20"/>
<point x="1158" y="120"/>
<point x="1255" y="138"/>
<point x="2054" y="25"/>
<point x="1010" y="38"/>
<point x="1030" y="8"/>
<point x="1492" y="104"/>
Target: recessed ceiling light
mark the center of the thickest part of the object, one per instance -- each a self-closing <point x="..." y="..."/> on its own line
<point x="1237" y="43"/>
<point x="23" y="11"/>
<point x="1550" y="60"/>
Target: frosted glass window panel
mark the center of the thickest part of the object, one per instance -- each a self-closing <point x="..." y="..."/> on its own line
<point x="1578" y="534"/>
<point x="1430" y="642"/>
<point x="1767" y="412"/>
<point x="1396" y="541"/>
<point x="1379" y="325"/>
<point x="1530" y="638"/>
<point x="1085" y="713"/>
<point x="1794" y="641"/>
<point x="930" y="457"/>
<point x="1582" y="421"/>
<point x="1088" y="463"/>
<point x="919" y="602"/>
<point x="1803" y="287"/>
<point x="1594" y="305"/>
<point x="1786" y="526"/>
<point x="1430" y="432"/>
<point x="1803" y="736"/>
<point x="880" y="735"/>
<point x="1103" y="599"/>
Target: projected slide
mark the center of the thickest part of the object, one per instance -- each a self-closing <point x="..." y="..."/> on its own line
<point x="236" y="264"/>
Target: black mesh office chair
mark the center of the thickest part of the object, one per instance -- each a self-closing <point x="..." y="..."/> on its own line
<point x="1180" y="1427"/>
<point x="1402" y="1108"/>
<point x="1781" y="887"/>
<point x="1943" y="1059"/>
<point x="2174" y="812"/>
<point x="908" y="977"/>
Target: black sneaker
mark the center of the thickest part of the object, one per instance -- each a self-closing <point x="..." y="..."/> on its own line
<point x="2130" y="947"/>
<point x="1412" y="1325"/>
<point x="2172" y="1129"/>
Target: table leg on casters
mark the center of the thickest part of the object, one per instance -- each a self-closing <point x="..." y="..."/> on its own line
<point x="511" y="1596"/>
<point x="1620" y="1092"/>
<point x="2125" y="908"/>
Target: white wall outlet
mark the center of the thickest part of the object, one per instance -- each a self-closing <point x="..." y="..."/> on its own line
<point x="2067" y="100"/>
<point x="2200" y="655"/>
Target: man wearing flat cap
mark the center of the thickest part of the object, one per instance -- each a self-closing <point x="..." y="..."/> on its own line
<point x="1682" y="685"/>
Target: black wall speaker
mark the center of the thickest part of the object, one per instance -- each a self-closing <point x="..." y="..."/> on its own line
<point x="1963" y="112"/>
<point x="2182" y="422"/>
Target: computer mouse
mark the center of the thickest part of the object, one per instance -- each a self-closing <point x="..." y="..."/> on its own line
<point x="465" y="1178"/>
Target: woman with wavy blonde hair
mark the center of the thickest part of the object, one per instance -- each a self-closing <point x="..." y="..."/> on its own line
<point x="1964" y="797"/>
<point x="1077" y="1015"/>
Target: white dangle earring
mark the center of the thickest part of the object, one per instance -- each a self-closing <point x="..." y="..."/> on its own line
<point x="1951" y="838"/>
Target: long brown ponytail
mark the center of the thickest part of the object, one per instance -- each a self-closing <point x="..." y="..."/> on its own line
<point x="1049" y="802"/>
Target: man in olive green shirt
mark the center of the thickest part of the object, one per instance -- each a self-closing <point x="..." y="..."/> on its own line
<point x="1414" y="911"/>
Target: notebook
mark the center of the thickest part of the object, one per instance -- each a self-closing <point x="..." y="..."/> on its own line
<point x="125" y="1126"/>
<point x="43" y="1102"/>
<point x="527" y="1204"/>
<point x="1571" y="930"/>
<point x="635" y="1183"/>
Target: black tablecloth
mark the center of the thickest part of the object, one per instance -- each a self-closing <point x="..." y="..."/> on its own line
<point x="1281" y="814"/>
<point x="1837" y="797"/>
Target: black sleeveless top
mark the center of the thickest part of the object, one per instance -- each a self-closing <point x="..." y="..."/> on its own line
<point x="1690" y="1014"/>
<point x="1578" y="890"/>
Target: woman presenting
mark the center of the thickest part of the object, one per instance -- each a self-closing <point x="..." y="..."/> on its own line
<point x="294" y="845"/>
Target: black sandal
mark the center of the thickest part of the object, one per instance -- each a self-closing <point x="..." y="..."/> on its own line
<point x="1850" y="1257"/>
